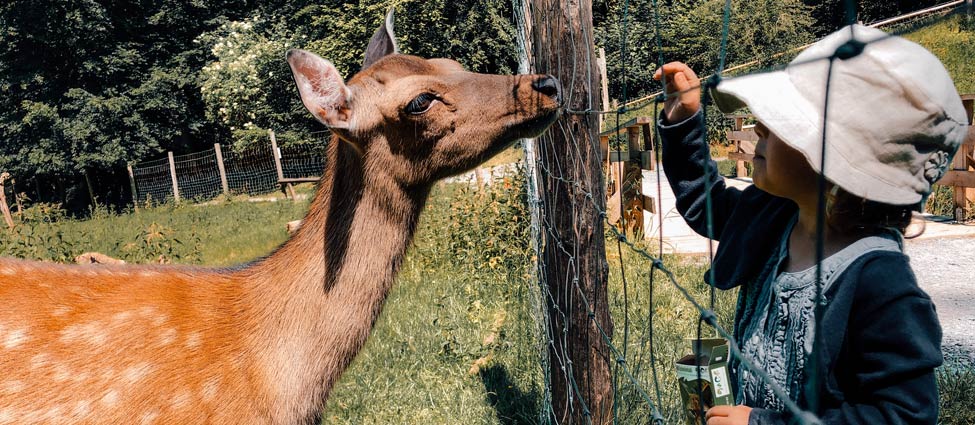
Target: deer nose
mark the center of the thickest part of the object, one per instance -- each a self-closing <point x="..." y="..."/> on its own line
<point x="548" y="86"/>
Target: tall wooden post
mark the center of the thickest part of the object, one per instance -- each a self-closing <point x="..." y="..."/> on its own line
<point x="573" y="198"/>
<point x="601" y="63"/>
<point x="3" y="202"/>
<point x="276" y="153"/>
<point x="172" y="173"/>
<point x="221" y="169"/>
<point x="135" y="191"/>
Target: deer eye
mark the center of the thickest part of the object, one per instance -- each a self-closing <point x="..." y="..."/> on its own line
<point x="420" y="104"/>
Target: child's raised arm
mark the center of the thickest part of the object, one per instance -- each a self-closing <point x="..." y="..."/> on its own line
<point x="686" y="155"/>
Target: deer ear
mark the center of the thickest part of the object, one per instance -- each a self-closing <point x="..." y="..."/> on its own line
<point x="383" y="42"/>
<point x="322" y="89"/>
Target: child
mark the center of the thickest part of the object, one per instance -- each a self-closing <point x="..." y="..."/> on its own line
<point x="894" y="122"/>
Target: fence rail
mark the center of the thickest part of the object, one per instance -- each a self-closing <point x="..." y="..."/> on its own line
<point x="207" y="174"/>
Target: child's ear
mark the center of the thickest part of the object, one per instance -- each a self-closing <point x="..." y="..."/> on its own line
<point x="322" y="89"/>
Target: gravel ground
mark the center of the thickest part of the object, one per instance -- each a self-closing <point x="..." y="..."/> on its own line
<point x="945" y="269"/>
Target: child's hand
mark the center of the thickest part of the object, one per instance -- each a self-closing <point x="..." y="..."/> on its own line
<point x="683" y="90"/>
<point x="728" y="415"/>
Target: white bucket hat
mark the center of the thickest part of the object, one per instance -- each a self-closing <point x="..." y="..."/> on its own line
<point x="895" y="119"/>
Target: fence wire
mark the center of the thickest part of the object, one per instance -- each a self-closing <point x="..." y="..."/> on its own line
<point x="638" y="388"/>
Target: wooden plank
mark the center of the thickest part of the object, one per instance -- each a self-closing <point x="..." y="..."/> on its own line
<point x="958" y="179"/>
<point x="276" y="154"/>
<point x="648" y="158"/>
<point x="649" y="204"/>
<point x="635" y="122"/>
<point x="221" y="169"/>
<point x="604" y="148"/>
<point x="969" y="106"/>
<point x="737" y="116"/>
<point x="633" y="144"/>
<point x="135" y="194"/>
<point x="172" y="173"/>
<point x="298" y="180"/>
<point x="647" y="136"/>
<point x="3" y="202"/>
<point x="739" y="156"/>
<point x="744" y="135"/>
<point x="746" y="146"/>
<point x="740" y="169"/>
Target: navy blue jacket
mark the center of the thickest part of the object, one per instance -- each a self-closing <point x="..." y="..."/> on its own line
<point x="881" y="336"/>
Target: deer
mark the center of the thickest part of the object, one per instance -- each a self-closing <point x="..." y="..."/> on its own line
<point x="264" y="342"/>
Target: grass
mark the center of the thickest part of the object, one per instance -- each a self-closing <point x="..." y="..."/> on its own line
<point x="951" y="40"/>
<point x="458" y="341"/>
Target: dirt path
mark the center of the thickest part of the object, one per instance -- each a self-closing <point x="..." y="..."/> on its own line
<point x="945" y="269"/>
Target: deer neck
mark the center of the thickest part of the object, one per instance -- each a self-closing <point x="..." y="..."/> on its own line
<point x="319" y="295"/>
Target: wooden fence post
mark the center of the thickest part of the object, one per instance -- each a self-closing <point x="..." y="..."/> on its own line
<point x="172" y="173"/>
<point x="3" y="202"/>
<point x="581" y="388"/>
<point x="601" y="63"/>
<point x="276" y="153"/>
<point x="135" y="193"/>
<point x="223" y="171"/>
<point x="963" y="161"/>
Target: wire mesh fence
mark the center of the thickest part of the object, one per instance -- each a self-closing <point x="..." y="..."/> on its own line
<point x="197" y="176"/>
<point x="580" y="341"/>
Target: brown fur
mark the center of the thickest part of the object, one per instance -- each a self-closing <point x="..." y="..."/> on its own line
<point x="262" y="344"/>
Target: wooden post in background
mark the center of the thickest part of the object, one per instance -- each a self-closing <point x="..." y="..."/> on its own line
<point x="4" y="208"/>
<point x="601" y="63"/>
<point x="172" y="173"/>
<point x="963" y="162"/>
<point x="3" y="202"/>
<point x="573" y="201"/>
<point x="276" y="153"/>
<point x="135" y="193"/>
<point x="223" y="171"/>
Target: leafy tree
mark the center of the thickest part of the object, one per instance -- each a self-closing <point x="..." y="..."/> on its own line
<point x="690" y="31"/>
<point x="90" y="85"/>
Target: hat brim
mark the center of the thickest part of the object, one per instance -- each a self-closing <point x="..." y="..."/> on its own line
<point x="774" y="100"/>
<point x="798" y="121"/>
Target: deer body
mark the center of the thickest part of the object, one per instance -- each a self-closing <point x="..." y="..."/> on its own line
<point x="264" y="343"/>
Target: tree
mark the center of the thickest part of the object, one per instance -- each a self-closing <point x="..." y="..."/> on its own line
<point x="90" y="85"/>
<point x="690" y="31"/>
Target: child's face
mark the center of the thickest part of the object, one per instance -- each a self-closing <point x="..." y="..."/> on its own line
<point x="781" y="170"/>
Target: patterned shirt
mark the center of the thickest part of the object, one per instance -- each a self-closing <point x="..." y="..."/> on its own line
<point x="779" y="335"/>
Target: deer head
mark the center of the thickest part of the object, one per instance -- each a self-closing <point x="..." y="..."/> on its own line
<point x="418" y="120"/>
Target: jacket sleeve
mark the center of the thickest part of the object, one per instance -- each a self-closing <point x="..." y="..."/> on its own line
<point x="690" y="170"/>
<point x="892" y="348"/>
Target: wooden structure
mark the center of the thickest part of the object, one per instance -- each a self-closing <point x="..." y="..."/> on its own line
<point x="961" y="176"/>
<point x="287" y="184"/>
<point x="4" y="208"/>
<point x="744" y="139"/>
<point x="624" y="171"/>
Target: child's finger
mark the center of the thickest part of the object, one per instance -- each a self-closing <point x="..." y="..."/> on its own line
<point x="717" y="411"/>
<point x="680" y="82"/>
<point x="668" y="69"/>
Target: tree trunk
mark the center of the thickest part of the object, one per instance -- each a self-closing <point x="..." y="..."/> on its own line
<point x="573" y="198"/>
